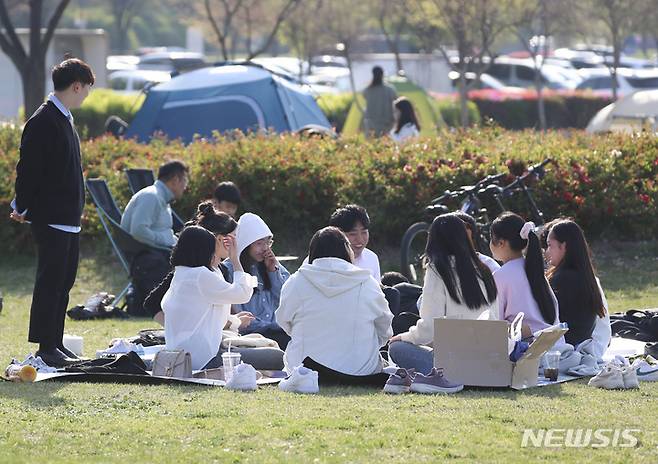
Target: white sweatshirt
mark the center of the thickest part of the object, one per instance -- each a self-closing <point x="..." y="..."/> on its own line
<point x="197" y="306"/>
<point x="336" y="314"/>
<point x="436" y="303"/>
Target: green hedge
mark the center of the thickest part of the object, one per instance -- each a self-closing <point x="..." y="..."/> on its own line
<point x="336" y="108"/>
<point x="100" y="104"/>
<point x="608" y="183"/>
<point x="562" y="111"/>
<point x="451" y="112"/>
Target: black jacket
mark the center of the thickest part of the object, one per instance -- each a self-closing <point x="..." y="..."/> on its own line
<point x="49" y="182"/>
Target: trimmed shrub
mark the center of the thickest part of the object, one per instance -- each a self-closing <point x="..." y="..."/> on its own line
<point x="335" y="108"/>
<point x="563" y="110"/>
<point x="99" y="105"/>
<point x="451" y="112"/>
<point x="609" y="184"/>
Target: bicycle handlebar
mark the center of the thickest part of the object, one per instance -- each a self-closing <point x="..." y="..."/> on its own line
<point x="536" y="170"/>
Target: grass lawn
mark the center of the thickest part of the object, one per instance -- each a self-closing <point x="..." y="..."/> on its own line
<point x="61" y="422"/>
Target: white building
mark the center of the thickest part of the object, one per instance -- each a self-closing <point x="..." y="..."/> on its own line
<point x="88" y="45"/>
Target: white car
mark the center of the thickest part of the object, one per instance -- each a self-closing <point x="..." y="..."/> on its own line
<point x="134" y="81"/>
<point x="520" y="72"/>
<point x="599" y="81"/>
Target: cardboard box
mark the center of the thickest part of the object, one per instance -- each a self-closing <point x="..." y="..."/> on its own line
<point x="474" y="353"/>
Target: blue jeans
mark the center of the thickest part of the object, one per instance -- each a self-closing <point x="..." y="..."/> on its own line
<point x="408" y="355"/>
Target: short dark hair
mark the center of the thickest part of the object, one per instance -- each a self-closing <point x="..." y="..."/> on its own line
<point x="393" y="278"/>
<point x="212" y="220"/>
<point x="172" y="169"/>
<point x="227" y="191"/>
<point x="345" y="218"/>
<point x="329" y="242"/>
<point x="70" y="71"/>
<point x="195" y="248"/>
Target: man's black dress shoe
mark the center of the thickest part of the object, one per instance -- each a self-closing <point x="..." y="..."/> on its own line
<point x="55" y="358"/>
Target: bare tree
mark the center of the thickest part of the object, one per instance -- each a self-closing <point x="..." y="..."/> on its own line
<point x="302" y="32"/>
<point x="536" y="22"/>
<point x="227" y="17"/>
<point x="124" y="11"/>
<point x="619" y="18"/>
<point x="31" y="63"/>
<point x="472" y="26"/>
<point x="393" y="21"/>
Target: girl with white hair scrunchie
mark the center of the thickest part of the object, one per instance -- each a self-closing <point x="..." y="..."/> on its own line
<point x="522" y="285"/>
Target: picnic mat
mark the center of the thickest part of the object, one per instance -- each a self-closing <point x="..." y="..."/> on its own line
<point x="139" y="379"/>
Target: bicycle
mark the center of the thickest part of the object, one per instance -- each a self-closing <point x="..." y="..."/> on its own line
<point x="415" y="238"/>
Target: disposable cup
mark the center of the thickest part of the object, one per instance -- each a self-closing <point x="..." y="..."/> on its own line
<point x="230" y="360"/>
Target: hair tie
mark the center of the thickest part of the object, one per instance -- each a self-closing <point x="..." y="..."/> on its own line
<point x="526" y="229"/>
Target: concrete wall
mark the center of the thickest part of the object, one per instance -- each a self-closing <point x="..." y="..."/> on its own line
<point x="88" y="45"/>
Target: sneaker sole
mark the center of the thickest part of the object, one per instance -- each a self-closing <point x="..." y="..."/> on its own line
<point x="650" y="376"/>
<point x="396" y="389"/>
<point x="430" y="389"/>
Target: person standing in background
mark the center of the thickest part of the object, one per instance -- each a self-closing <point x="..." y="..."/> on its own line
<point x="50" y="196"/>
<point x="378" y="119"/>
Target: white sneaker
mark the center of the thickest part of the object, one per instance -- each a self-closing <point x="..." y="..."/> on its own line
<point x="609" y="378"/>
<point x="38" y="364"/>
<point x="302" y="380"/>
<point x="645" y="372"/>
<point x="244" y="378"/>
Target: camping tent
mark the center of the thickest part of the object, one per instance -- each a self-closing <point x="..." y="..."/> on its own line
<point x="425" y="106"/>
<point x="633" y="112"/>
<point x="224" y="98"/>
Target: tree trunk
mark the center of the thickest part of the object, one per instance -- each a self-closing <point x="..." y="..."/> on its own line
<point x="463" y="97"/>
<point x="33" y="78"/>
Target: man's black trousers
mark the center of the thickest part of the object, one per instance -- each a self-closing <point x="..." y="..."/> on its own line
<point x="57" y="265"/>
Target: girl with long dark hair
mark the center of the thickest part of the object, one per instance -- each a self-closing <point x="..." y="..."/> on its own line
<point x="457" y="285"/>
<point x="573" y="280"/>
<point x="198" y="302"/>
<point x="522" y="286"/>
<point x="406" y="124"/>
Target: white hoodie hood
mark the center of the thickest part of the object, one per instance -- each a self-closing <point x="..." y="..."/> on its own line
<point x="250" y="228"/>
<point x="333" y="276"/>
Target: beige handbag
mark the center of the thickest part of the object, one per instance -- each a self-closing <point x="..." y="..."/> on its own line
<point x="173" y="363"/>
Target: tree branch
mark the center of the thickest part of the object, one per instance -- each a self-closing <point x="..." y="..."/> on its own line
<point x="52" y="25"/>
<point x="290" y="6"/>
<point x="11" y="41"/>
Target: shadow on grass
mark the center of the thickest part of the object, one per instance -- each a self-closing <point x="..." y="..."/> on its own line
<point x="39" y="395"/>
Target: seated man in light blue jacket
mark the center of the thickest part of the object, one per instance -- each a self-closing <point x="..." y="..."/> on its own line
<point x="147" y="219"/>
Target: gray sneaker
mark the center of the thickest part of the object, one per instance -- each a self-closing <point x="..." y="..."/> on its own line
<point x="399" y="382"/>
<point x="434" y="382"/>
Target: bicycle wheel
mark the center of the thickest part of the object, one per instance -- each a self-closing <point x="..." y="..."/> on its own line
<point x="412" y="249"/>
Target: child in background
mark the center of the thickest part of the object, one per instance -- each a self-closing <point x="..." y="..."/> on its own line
<point x="522" y="286"/>
<point x="406" y="124"/>
<point x="227" y="198"/>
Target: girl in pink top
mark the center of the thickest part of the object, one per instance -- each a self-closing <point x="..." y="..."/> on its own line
<point x="522" y="286"/>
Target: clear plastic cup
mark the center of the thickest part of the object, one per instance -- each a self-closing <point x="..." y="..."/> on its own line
<point x="551" y="369"/>
<point x="230" y="360"/>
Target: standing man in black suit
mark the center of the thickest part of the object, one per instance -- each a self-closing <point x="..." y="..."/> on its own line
<point x="50" y="196"/>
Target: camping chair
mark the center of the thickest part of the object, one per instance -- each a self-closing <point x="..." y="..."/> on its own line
<point x="140" y="178"/>
<point x="123" y="244"/>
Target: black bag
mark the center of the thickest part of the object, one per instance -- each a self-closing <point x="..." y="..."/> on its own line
<point x="146" y="271"/>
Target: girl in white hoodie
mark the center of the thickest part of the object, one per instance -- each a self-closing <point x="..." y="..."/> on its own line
<point x="334" y="312"/>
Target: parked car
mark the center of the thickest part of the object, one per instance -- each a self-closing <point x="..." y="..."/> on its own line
<point x="599" y="81"/>
<point x="132" y="81"/>
<point x="520" y="72"/>
<point x="172" y="61"/>
<point x="486" y="82"/>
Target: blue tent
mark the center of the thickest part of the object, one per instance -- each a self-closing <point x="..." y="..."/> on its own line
<point x="224" y="98"/>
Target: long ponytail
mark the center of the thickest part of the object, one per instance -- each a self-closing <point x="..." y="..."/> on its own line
<point x="521" y="235"/>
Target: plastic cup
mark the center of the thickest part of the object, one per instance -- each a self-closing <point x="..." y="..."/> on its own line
<point x="230" y="360"/>
<point x="551" y="370"/>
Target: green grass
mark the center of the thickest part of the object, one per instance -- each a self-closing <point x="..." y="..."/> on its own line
<point x="62" y="422"/>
